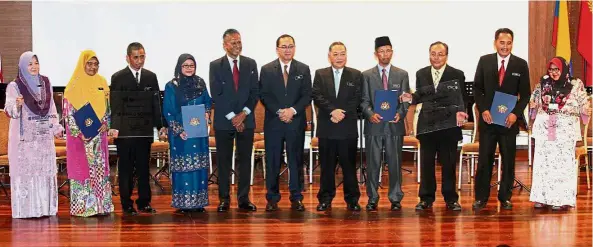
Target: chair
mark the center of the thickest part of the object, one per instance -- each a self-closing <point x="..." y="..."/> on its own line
<point x="582" y="148"/>
<point x="411" y="143"/>
<point x="314" y="143"/>
<point x="470" y="151"/>
<point x="259" y="147"/>
<point x="4" y="127"/>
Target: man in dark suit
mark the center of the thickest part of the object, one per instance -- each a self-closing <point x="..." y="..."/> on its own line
<point x="285" y="86"/>
<point x="234" y="87"/>
<point x="134" y="152"/>
<point x="439" y="89"/>
<point x="337" y="92"/>
<point x="509" y="74"/>
<point x="384" y="134"/>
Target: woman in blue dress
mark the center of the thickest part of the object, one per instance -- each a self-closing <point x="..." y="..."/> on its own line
<point x="189" y="156"/>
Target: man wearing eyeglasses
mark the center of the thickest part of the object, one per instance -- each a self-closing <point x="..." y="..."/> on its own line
<point x="438" y="89"/>
<point x="384" y="134"/>
<point x="234" y="87"/>
<point x="134" y="151"/>
<point x="285" y="86"/>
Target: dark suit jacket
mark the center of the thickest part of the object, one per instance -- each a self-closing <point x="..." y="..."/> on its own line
<point x="226" y="99"/>
<point x="275" y="96"/>
<point x="398" y="80"/>
<point x="124" y="80"/>
<point x="432" y="99"/>
<point x="348" y="99"/>
<point x="515" y="82"/>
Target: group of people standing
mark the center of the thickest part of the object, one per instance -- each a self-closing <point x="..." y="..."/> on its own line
<point x="285" y="88"/>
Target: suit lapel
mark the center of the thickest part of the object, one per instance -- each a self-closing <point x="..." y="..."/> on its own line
<point x="507" y="70"/>
<point x="280" y="72"/>
<point x="344" y="79"/>
<point x="227" y="72"/>
<point x="494" y="63"/>
<point x="377" y="76"/>
<point x="292" y="73"/>
<point x="391" y="83"/>
<point x="331" y="85"/>
<point x="244" y="73"/>
<point x="429" y="87"/>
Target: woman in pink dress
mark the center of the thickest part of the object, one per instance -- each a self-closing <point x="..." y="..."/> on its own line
<point x="31" y="149"/>
<point x="88" y="162"/>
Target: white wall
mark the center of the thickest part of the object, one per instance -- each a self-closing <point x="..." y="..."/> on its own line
<point x="62" y="29"/>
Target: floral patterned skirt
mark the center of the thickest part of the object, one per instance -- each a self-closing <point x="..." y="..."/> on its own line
<point x="555" y="173"/>
<point x="190" y="189"/>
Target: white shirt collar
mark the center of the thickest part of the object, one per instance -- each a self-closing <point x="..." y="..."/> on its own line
<point x="340" y="70"/>
<point x="134" y="72"/>
<point x="441" y="70"/>
<point x="506" y="60"/>
<point x="387" y="68"/>
<point x="231" y="61"/>
<point x="282" y="65"/>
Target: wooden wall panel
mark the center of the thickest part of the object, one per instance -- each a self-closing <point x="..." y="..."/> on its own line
<point x="15" y="34"/>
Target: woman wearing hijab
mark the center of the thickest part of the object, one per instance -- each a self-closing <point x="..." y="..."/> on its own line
<point x="88" y="163"/>
<point x="556" y="104"/>
<point x="189" y="156"/>
<point x="31" y="151"/>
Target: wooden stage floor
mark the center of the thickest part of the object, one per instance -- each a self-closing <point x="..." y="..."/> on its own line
<point x="521" y="226"/>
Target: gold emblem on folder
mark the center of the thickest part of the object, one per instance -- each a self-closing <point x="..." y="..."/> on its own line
<point x="88" y="122"/>
<point x="194" y="121"/>
<point x="385" y="106"/>
<point x="502" y="109"/>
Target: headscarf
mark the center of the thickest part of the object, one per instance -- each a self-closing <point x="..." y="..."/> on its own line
<point x="36" y="90"/>
<point x="84" y="88"/>
<point x="188" y="87"/>
<point x="556" y="91"/>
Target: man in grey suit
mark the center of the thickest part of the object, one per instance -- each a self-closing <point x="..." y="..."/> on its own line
<point x="384" y="134"/>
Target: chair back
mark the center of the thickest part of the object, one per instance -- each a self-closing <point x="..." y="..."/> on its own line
<point x="260" y="114"/>
<point x="4" y="128"/>
<point x="410" y="120"/>
<point x="309" y="117"/>
<point x="477" y="117"/>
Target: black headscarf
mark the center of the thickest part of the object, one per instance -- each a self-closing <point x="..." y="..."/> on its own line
<point x="188" y="87"/>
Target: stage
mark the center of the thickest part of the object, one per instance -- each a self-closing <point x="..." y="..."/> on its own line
<point x="521" y="226"/>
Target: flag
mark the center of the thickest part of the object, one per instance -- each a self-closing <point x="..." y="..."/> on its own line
<point x="584" y="39"/>
<point x="1" y="76"/>
<point x="560" y="33"/>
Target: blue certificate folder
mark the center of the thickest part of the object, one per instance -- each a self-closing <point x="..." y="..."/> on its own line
<point x="502" y="105"/>
<point x="87" y="121"/>
<point x="386" y="102"/>
<point x="194" y="121"/>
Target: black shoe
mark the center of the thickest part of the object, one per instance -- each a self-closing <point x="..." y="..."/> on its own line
<point x="272" y="206"/>
<point x="454" y="206"/>
<point x="247" y="206"/>
<point x="479" y="205"/>
<point x="223" y="207"/>
<point x="298" y="206"/>
<point x="130" y="211"/>
<point x="396" y="206"/>
<point x="422" y="205"/>
<point x="372" y="206"/>
<point x="324" y="206"/>
<point x="506" y="205"/>
<point x="147" y="209"/>
<point x="353" y="207"/>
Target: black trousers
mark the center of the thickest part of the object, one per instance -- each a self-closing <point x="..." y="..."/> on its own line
<point x="274" y="144"/>
<point x="442" y="143"/>
<point x="508" y="149"/>
<point x="134" y="155"/>
<point x="330" y="151"/>
<point x="224" y="159"/>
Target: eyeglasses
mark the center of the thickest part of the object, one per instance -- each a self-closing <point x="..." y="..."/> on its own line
<point x="553" y="70"/>
<point x="188" y="66"/>
<point x="284" y="47"/>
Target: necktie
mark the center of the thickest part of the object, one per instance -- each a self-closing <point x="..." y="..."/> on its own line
<point x="236" y="75"/>
<point x="436" y="79"/>
<point x="501" y="73"/>
<point x="384" y="78"/>
<point x="337" y="81"/>
<point x="285" y="75"/>
<point x="137" y="81"/>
